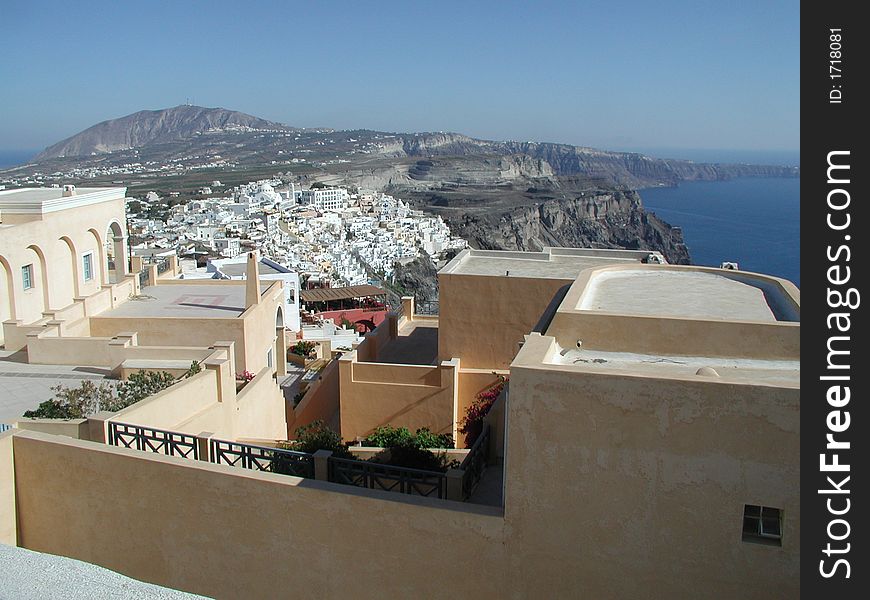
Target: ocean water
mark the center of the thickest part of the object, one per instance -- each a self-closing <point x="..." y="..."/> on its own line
<point x="12" y="158"/>
<point x="753" y="221"/>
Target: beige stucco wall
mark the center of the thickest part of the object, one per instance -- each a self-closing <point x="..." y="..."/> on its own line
<point x="234" y="533"/>
<point x="54" y="244"/>
<point x="372" y="343"/>
<point x="678" y="336"/>
<point x="260" y="409"/>
<point x="175" y="405"/>
<point x="321" y="402"/>
<point x="643" y="482"/>
<point x="260" y="331"/>
<point x="175" y="331"/>
<point x="74" y="428"/>
<point x="8" y="509"/>
<point x="412" y="396"/>
<point x="197" y="404"/>
<point x="253" y="332"/>
<point x="482" y="319"/>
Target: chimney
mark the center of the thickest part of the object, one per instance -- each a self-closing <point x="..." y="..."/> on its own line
<point x="252" y="279"/>
<point x="69" y="190"/>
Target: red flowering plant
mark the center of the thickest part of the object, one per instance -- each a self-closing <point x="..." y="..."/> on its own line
<point x="245" y="376"/>
<point x="472" y="424"/>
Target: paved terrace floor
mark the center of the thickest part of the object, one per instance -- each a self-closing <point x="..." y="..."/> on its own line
<point x="417" y="344"/>
<point x="34" y="575"/>
<point x="192" y="301"/>
<point x="24" y="386"/>
<point x="676" y="294"/>
<point x="522" y="264"/>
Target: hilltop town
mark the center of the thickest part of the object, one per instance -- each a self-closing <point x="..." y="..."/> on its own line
<point x="330" y="236"/>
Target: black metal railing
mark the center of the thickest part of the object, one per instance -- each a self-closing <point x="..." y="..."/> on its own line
<point x="143" y="278"/>
<point x="149" y="439"/>
<point x="475" y="461"/>
<point x="162" y="266"/>
<point x="426" y="307"/>
<point x="261" y="458"/>
<point x="376" y="476"/>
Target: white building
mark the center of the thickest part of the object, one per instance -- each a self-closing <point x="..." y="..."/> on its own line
<point x="326" y="198"/>
<point x="236" y="268"/>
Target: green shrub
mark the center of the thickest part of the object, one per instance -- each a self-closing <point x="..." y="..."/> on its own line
<point x="391" y="437"/>
<point x="405" y="449"/>
<point x="303" y="348"/>
<point x="411" y="458"/>
<point x="75" y="403"/>
<point x="141" y="385"/>
<point x="427" y="439"/>
<point x="318" y="436"/>
<point x="194" y="368"/>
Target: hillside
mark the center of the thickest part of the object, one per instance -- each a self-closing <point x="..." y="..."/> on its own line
<point x="193" y="137"/>
<point x="155" y="127"/>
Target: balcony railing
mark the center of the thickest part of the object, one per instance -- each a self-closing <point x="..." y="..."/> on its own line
<point x="388" y="478"/>
<point x="475" y="462"/>
<point x="170" y="443"/>
<point x="261" y="458"/>
<point x="374" y="476"/>
<point x="426" y="307"/>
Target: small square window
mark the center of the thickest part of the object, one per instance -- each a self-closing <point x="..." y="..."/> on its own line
<point x="762" y="524"/>
<point x="88" y="266"/>
<point x="27" y="276"/>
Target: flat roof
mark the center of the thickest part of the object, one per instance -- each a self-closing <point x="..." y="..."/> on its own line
<point x="213" y="301"/>
<point x="764" y="371"/>
<point x="551" y="263"/>
<point x="341" y="293"/>
<point x="47" y="200"/>
<point x="682" y="294"/>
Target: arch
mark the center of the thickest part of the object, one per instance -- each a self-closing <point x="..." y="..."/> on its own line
<point x="104" y="258"/>
<point x="277" y="353"/>
<point x="7" y="300"/>
<point x="116" y="240"/>
<point x="60" y="279"/>
<point x="46" y="302"/>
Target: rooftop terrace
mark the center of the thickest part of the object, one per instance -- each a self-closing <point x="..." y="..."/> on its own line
<point x="684" y="294"/>
<point x="551" y="263"/>
<point x="45" y="200"/>
<point x="770" y="372"/>
<point x="216" y="301"/>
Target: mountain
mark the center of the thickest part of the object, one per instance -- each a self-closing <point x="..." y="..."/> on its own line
<point x="495" y="194"/>
<point x="154" y="127"/>
<point x="191" y="136"/>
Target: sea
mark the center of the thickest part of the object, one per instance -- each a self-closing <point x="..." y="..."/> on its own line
<point x="12" y="158"/>
<point x="754" y="222"/>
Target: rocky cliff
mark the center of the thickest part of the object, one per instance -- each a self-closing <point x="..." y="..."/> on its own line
<point x="621" y="168"/>
<point x="603" y="219"/>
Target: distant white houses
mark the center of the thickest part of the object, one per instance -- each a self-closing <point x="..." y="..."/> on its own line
<point x="322" y="235"/>
<point x="236" y="268"/>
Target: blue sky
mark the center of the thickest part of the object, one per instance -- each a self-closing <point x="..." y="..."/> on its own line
<point x="608" y="74"/>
